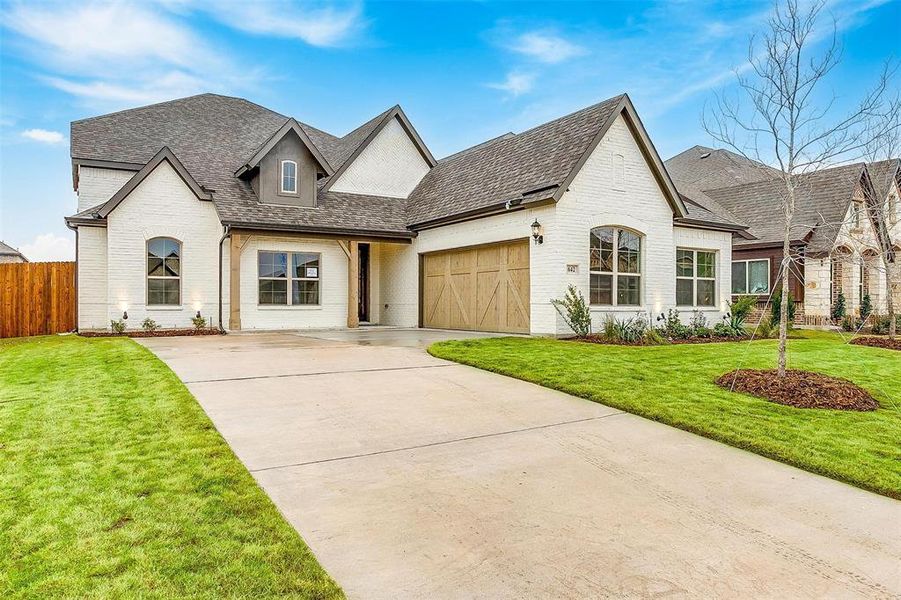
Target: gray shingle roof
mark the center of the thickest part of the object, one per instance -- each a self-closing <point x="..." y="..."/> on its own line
<point x="508" y="167"/>
<point x="821" y="203"/>
<point x="882" y="173"/>
<point x="213" y="136"/>
<point x="7" y="250"/>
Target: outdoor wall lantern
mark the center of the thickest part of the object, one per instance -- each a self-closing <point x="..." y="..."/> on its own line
<point x="537" y="232"/>
<point x="661" y="317"/>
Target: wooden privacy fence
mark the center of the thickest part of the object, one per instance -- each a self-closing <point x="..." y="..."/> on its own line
<point x="36" y="298"/>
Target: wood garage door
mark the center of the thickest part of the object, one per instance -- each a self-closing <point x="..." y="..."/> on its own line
<point x="483" y="288"/>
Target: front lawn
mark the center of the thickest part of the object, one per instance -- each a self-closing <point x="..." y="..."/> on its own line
<point x="675" y="385"/>
<point x="114" y="484"/>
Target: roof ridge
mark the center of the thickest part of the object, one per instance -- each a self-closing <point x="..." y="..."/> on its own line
<point x="173" y="101"/>
<point x="378" y="117"/>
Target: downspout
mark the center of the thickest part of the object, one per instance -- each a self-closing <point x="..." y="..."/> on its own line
<point x="226" y="234"/>
<point x="75" y="229"/>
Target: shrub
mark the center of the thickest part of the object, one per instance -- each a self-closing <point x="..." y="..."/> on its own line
<point x="838" y="310"/>
<point x="880" y="325"/>
<point x="741" y="309"/>
<point x="849" y="323"/>
<point x="652" y="337"/>
<point x="632" y="330"/>
<point x="149" y="324"/>
<point x="866" y="307"/>
<point x="673" y="327"/>
<point x="764" y="329"/>
<point x="728" y="329"/>
<point x="575" y="311"/>
<point x="777" y="308"/>
<point x="118" y="326"/>
<point x="699" y="325"/>
<point x="199" y="322"/>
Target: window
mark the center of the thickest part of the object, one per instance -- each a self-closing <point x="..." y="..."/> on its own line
<point x="751" y="276"/>
<point x="275" y="278"/>
<point x="163" y="272"/>
<point x="615" y="267"/>
<point x="289" y="177"/>
<point x="695" y="277"/>
<point x="892" y="208"/>
<point x="856" y="209"/>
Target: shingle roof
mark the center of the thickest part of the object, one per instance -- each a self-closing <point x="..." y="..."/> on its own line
<point x="213" y="136"/>
<point x="882" y="173"/>
<point x="822" y="199"/>
<point x="508" y="167"/>
<point x="7" y="250"/>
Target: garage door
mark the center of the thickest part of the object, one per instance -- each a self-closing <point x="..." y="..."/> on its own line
<point x="482" y="288"/>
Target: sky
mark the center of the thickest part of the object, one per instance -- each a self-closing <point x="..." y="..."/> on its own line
<point x="463" y="72"/>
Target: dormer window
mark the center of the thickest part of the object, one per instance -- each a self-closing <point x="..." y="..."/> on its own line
<point x="289" y="177"/>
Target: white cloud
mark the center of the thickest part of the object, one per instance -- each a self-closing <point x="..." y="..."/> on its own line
<point x="49" y="246"/>
<point x="515" y="83"/>
<point x="143" y="90"/>
<point x="313" y="23"/>
<point x="545" y="47"/>
<point x="44" y="136"/>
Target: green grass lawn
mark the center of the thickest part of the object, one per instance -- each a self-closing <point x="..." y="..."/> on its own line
<point x="674" y="384"/>
<point x="114" y="483"/>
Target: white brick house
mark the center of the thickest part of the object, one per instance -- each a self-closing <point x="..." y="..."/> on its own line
<point x="216" y="205"/>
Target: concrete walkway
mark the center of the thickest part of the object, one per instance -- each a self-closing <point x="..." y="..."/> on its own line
<point x="412" y="477"/>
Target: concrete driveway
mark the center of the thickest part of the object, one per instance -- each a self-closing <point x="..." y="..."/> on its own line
<point x="412" y="477"/>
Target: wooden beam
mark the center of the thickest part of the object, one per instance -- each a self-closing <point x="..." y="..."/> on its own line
<point x="235" y="246"/>
<point x="353" y="283"/>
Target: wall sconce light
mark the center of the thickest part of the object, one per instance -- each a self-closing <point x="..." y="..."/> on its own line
<point x="537" y="232"/>
<point x="661" y="317"/>
<point x="197" y="307"/>
<point x="124" y="315"/>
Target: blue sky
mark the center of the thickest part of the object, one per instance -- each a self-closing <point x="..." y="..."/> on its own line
<point x="464" y="72"/>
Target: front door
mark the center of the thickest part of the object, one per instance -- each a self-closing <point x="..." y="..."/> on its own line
<point x="363" y="303"/>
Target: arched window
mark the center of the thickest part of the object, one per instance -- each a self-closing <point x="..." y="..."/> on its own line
<point x="163" y="272"/>
<point x="615" y="267"/>
<point x="289" y="177"/>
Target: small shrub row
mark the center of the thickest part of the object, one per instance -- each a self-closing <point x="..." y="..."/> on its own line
<point x="118" y="326"/>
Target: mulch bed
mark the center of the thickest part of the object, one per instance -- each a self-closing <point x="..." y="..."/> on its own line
<point x="878" y="342"/>
<point x="801" y="389"/>
<point x="599" y="339"/>
<point x="157" y="333"/>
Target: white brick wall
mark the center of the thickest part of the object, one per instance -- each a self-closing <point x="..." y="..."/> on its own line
<point x="96" y="185"/>
<point x="332" y="311"/>
<point x="590" y="202"/>
<point x="163" y="206"/>
<point x="389" y="166"/>
<point x="92" y="278"/>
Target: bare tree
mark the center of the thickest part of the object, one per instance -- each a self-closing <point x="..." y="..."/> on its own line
<point x="784" y="122"/>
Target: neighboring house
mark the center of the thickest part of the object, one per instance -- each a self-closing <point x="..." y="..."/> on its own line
<point x="218" y="205"/>
<point x="837" y="234"/>
<point x="8" y="254"/>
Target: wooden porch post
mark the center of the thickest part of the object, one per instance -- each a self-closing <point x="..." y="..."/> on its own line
<point x="353" y="283"/>
<point x="234" y="282"/>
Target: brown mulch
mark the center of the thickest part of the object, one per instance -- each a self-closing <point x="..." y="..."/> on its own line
<point x="157" y="333"/>
<point x="878" y="342"/>
<point x="801" y="389"/>
<point x="599" y="339"/>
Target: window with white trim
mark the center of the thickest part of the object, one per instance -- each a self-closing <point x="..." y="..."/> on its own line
<point x="615" y="267"/>
<point x="856" y="211"/>
<point x="751" y="276"/>
<point x="163" y="272"/>
<point x="695" y="277"/>
<point x="289" y="177"/>
<point x="276" y="278"/>
<point x="892" y="208"/>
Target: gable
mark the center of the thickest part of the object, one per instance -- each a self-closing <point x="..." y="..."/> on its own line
<point x="617" y="178"/>
<point x="390" y="165"/>
<point x="267" y="179"/>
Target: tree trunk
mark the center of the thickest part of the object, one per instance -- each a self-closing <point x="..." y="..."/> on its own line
<point x="783" y="307"/>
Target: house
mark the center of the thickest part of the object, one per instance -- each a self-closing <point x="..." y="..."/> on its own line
<point x="8" y="254"/>
<point x="837" y="236"/>
<point x="217" y="206"/>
